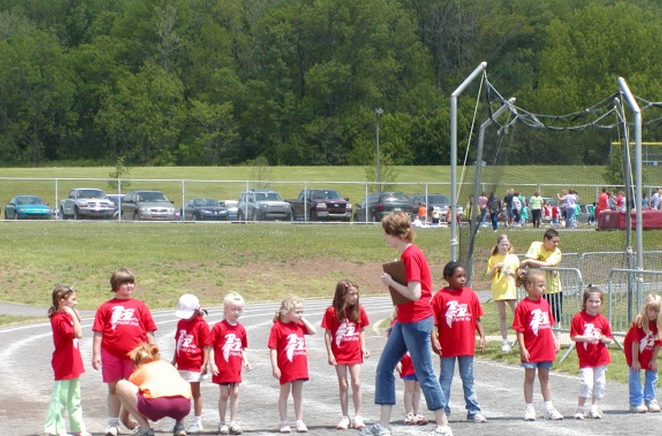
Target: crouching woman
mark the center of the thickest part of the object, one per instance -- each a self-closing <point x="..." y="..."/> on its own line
<point x="154" y="390"/>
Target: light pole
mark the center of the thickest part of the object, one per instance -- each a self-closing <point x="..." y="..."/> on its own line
<point x="378" y="112"/>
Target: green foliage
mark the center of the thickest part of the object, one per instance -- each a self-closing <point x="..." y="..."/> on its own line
<point x="221" y="82"/>
<point x="120" y="173"/>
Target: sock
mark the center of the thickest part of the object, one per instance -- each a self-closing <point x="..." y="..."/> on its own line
<point x="529" y="405"/>
<point x="113" y="421"/>
<point x="549" y="405"/>
<point x="197" y="419"/>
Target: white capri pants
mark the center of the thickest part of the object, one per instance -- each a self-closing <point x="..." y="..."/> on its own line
<point x="593" y="382"/>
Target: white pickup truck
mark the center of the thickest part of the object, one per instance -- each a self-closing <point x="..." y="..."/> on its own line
<point x="86" y="203"/>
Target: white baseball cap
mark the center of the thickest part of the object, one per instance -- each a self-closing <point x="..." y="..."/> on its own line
<point x="186" y="306"/>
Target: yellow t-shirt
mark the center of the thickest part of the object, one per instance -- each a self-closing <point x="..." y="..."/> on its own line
<point x="503" y="285"/>
<point x="537" y="251"/>
<point x="160" y="379"/>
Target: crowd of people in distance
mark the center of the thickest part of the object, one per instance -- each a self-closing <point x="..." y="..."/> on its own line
<point x="446" y="325"/>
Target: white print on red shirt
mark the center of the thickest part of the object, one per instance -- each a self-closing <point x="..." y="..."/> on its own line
<point x="185" y="343"/>
<point x="231" y="347"/>
<point x="592" y="331"/>
<point x="346" y="332"/>
<point x="646" y="343"/>
<point x="539" y="321"/>
<point x="123" y="316"/>
<point x="295" y="346"/>
<point x="456" y="312"/>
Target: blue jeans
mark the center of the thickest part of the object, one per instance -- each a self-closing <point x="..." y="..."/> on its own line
<point x="466" y="368"/>
<point x="634" y="385"/>
<point x="415" y="338"/>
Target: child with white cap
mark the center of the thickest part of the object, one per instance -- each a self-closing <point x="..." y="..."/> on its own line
<point x="192" y="345"/>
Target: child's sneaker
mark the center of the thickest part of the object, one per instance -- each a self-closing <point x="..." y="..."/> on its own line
<point x="139" y="432"/>
<point x="301" y="427"/>
<point x="553" y="414"/>
<point x="505" y="347"/>
<point x="595" y="413"/>
<point x="478" y="418"/>
<point x="579" y="413"/>
<point x="441" y="430"/>
<point x="196" y="427"/>
<point x="410" y="419"/>
<point x="530" y="414"/>
<point x="223" y="429"/>
<point x="653" y="407"/>
<point x="420" y="419"/>
<point x="358" y="422"/>
<point x="235" y="428"/>
<point x="375" y="430"/>
<point x="284" y="427"/>
<point x="343" y="424"/>
<point x="638" y="409"/>
<point x="179" y="430"/>
<point x="113" y="430"/>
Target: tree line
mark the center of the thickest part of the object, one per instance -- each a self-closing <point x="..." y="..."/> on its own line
<point x="297" y="82"/>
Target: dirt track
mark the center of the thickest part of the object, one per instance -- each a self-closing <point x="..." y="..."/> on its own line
<point x="26" y="380"/>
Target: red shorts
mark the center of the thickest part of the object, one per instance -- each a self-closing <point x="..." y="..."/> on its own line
<point x="157" y="408"/>
<point x="115" y="368"/>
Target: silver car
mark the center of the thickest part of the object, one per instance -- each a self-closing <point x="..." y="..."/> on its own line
<point x="147" y="205"/>
<point x="263" y="204"/>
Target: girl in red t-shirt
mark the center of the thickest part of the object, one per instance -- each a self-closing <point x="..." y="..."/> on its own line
<point x="289" y="361"/>
<point x="592" y="333"/>
<point x="229" y="341"/>
<point x="192" y="344"/>
<point x="344" y="323"/>
<point x="537" y="344"/>
<point x="67" y="364"/>
<point x="641" y="347"/>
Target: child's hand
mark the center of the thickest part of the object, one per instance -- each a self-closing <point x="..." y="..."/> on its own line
<point x="276" y="372"/>
<point x="331" y="359"/>
<point x="481" y="344"/>
<point x="636" y="366"/>
<point x="69" y="311"/>
<point x="398" y="368"/>
<point x="96" y="361"/>
<point x="653" y="365"/>
<point x="203" y="370"/>
<point x="365" y="353"/>
<point x="557" y="345"/>
<point x="247" y="366"/>
<point x="524" y="354"/>
<point x="436" y="346"/>
<point x="214" y="369"/>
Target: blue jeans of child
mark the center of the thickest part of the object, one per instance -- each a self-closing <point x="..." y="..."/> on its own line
<point x="634" y="385"/>
<point x="415" y="338"/>
<point x="466" y="368"/>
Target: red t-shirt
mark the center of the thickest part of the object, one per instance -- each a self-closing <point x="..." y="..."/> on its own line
<point x="535" y="320"/>
<point x="229" y="342"/>
<point x="124" y="324"/>
<point x="191" y="338"/>
<point x="67" y="362"/>
<point x="290" y="344"/>
<point x="591" y="355"/>
<point x="407" y="366"/>
<point x="456" y="314"/>
<point x="416" y="269"/>
<point x="346" y="340"/>
<point x="646" y="344"/>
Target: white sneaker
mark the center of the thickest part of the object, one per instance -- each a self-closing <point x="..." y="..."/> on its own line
<point x="553" y="414"/>
<point x="441" y="430"/>
<point x="196" y="427"/>
<point x="358" y="422"/>
<point x="579" y="413"/>
<point x="530" y="414"/>
<point x="343" y="424"/>
<point x="595" y="412"/>
<point x="653" y="407"/>
<point x="639" y="409"/>
<point x="113" y="430"/>
<point x="375" y="430"/>
<point x="223" y="429"/>
<point x="506" y="348"/>
<point x="478" y="418"/>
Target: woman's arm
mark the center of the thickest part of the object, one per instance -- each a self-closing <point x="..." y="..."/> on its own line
<point x="411" y="291"/>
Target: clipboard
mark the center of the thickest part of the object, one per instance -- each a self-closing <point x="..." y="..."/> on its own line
<point x="396" y="270"/>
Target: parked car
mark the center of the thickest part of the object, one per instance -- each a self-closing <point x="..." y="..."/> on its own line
<point x="231" y="206"/>
<point x="147" y="205"/>
<point x="379" y="204"/>
<point x="86" y="203"/>
<point x="203" y="209"/>
<point x="263" y="204"/>
<point x="117" y="200"/>
<point x="438" y="202"/>
<point x="27" y="207"/>
<point x="321" y="204"/>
